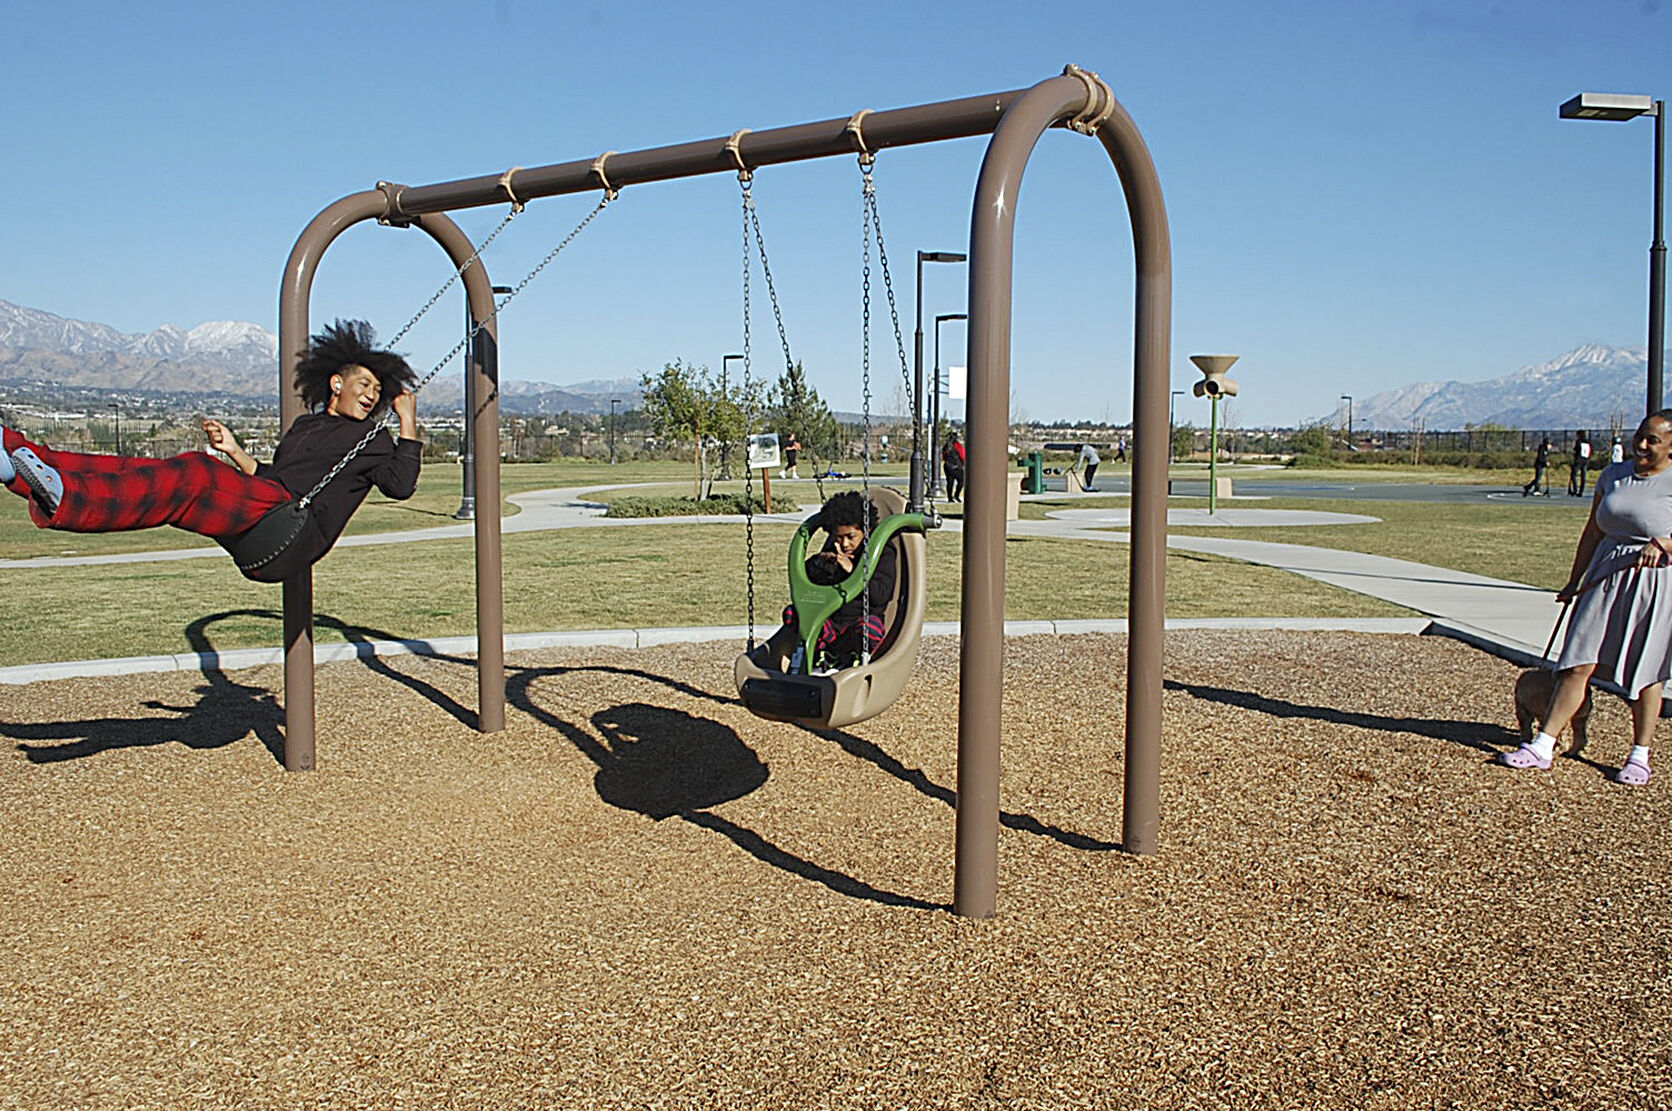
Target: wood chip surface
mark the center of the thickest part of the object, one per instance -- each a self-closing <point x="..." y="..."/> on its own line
<point x="639" y="896"/>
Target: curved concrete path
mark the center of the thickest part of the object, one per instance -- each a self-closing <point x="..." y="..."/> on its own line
<point x="1507" y="618"/>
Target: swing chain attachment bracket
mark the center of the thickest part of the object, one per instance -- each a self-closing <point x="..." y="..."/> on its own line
<point x="610" y="191"/>
<point x="506" y="183"/>
<point x="856" y="131"/>
<point x="1100" y="100"/>
<point x="392" y="216"/>
<point x="733" y="148"/>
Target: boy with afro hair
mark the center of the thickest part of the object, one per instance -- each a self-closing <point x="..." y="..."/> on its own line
<point x="342" y="376"/>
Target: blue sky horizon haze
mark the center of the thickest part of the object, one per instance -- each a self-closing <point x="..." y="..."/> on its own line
<point x="1360" y="195"/>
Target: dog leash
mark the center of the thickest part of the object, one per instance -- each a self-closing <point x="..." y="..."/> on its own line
<point x="1568" y="605"/>
<point x="1560" y="617"/>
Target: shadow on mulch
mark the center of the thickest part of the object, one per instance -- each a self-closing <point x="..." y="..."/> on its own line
<point x="915" y="778"/>
<point x="226" y="710"/>
<point x="1485" y="737"/>
<point x="669" y="764"/>
<point x="666" y="763"/>
<point x="651" y="760"/>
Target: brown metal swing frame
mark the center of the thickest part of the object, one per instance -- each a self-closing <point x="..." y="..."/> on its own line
<point x="1016" y="120"/>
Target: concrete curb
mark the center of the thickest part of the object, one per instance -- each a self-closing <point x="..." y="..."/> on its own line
<point x="240" y="658"/>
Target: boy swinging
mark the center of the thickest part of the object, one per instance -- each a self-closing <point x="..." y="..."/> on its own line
<point x="342" y="377"/>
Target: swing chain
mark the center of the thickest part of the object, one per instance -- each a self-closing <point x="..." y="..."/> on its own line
<point x="475" y="329"/>
<point x="865" y="393"/>
<point x="766" y="272"/>
<point x="457" y="274"/>
<point x="887" y="279"/>
<point x="748" y="202"/>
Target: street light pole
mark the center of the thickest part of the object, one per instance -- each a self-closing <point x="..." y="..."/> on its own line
<point x="1348" y="398"/>
<point x="1172" y="407"/>
<point x="936" y="490"/>
<point x="117" y="405"/>
<point x="614" y="401"/>
<point x="725" y="393"/>
<point x="916" y="501"/>
<point x="1620" y="106"/>
<point x="467" y="445"/>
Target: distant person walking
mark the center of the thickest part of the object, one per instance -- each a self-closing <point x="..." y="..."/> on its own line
<point x="1617" y="453"/>
<point x="1581" y="462"/>
<point x="792" y="453"/>
<point x="952" y="463"/>
<point x="1089" y="459"/>
<point x="1120" y="449"/>
<point x="1540" y="485"/>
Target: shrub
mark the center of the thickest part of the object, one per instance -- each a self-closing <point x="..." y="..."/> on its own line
<point x="717" y="506"/>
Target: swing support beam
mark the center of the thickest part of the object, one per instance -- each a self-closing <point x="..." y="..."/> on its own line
<point x="1016" y="120"/>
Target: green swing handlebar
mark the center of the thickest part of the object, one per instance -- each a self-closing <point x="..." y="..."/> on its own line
<point x="816" y="603"/>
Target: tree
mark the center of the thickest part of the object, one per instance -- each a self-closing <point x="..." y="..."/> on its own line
<point x="1184" y="441"/>
<point x="681" y="404"/>
<point x="795" y="408"/>
<point x="1314" y="439"/>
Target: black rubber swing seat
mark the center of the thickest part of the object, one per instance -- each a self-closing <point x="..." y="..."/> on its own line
<point x="255" y="549"/>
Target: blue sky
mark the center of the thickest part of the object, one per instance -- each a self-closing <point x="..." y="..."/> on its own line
<point x="1361" y="194"/>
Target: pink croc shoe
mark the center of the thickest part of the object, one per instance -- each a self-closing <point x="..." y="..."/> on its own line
<point x="1524" y="758"/>
<point x="1634" y="774"/>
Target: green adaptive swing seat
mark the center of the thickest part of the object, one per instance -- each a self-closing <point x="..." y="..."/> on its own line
<point x="769" y="687"/>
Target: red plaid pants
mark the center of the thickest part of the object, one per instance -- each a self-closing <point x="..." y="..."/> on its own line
<point x="114" y="493"/>
<point x="845" y="638"/>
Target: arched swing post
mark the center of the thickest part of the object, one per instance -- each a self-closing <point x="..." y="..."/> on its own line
<point x="1089" y="102"/>
<point x="1016" y="120"/>
<point x="294" y="295"/>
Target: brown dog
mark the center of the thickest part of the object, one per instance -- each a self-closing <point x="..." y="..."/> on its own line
<point x="1533" y="689"/>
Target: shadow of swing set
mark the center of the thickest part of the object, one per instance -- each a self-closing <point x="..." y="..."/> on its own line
<point x="1016" y="121"/>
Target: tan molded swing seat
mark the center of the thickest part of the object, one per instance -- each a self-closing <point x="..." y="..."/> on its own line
<point x="852" y="694"/>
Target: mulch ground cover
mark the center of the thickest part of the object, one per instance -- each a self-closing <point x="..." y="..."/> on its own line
<point x="638" y="895"/>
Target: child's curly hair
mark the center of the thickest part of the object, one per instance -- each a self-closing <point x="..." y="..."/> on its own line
<point x="848" y="508"/>
<point x="346" y="343"/>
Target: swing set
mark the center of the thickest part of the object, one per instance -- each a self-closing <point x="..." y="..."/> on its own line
<point x="1016" y="120"/>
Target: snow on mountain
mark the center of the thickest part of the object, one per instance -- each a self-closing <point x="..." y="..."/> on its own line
<point x="239" y="348"/>
<point x="1590" y="386"/>
<point x="223" y="355"/>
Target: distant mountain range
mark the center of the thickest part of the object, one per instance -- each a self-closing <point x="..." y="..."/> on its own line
<point x="223" y="357"/>
<point x="1593" y="386"/>
<point x="1589" y="387"/>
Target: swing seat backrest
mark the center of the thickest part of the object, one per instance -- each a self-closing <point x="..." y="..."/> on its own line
<point x="856" y="693"/>
<point x="815" y="603"/>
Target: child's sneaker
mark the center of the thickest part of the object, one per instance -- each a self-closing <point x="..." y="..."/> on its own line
<point x="43" y="481"/>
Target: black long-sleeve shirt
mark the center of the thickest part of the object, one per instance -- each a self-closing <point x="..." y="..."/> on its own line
<point x="313" y="445"/>
<point x="880" y="588"/>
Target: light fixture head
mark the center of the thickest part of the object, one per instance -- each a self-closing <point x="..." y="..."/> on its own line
<point x="1606" y="106"/>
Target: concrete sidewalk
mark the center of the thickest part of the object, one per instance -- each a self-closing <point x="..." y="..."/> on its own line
<point x="1509" y="619"/>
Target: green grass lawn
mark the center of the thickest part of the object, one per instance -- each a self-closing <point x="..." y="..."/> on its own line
<point x="1501" y="539"/>
<point x="632" y="576"/>
<point x="691" y="574"/>
<point x="440" y="489"/>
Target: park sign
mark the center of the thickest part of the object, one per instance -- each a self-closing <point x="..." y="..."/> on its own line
<point x="763" y="451"/>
